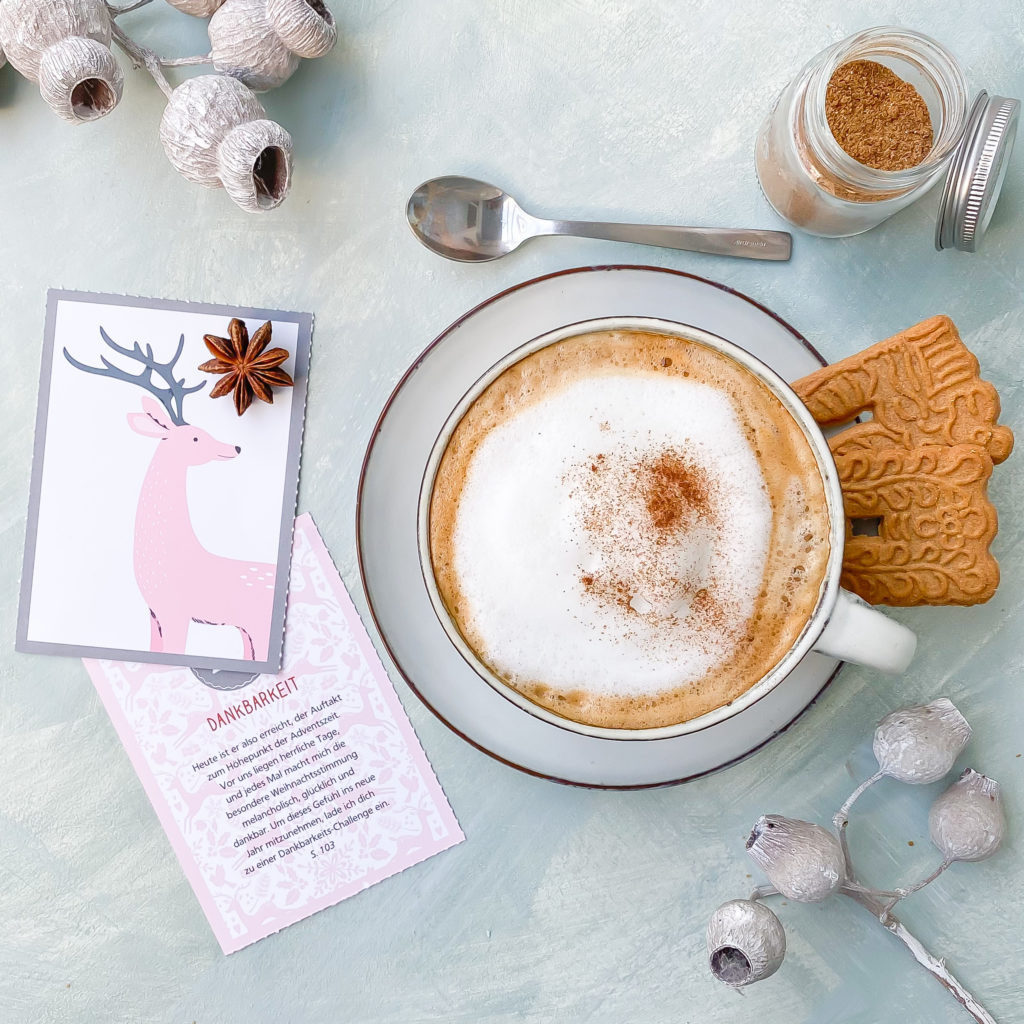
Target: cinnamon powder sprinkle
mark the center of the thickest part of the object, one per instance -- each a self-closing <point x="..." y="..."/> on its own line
<point x="636" y="509"/>
<point x="876" y="117"/>
<point x="673" y="490"/>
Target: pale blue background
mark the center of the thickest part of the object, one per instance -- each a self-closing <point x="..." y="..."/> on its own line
<point x="563" y="905"/>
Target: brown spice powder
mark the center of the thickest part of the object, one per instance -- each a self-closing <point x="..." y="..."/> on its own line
<point x="636" y="509"/>
<point x="673" y="490"/>
<point x="876" y="117"/>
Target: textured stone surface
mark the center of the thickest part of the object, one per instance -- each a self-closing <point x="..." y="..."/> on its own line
<point x="563" y="905"/>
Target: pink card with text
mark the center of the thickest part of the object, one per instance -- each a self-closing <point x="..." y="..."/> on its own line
<point x="283" y="794"/>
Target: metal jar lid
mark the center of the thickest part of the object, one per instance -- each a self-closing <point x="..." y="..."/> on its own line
<point x="976" y="172"/>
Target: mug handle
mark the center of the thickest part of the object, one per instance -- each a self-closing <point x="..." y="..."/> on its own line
<point x="862" y="634"/>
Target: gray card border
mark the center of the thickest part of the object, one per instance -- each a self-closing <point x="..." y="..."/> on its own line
<point x="289" y="503"/>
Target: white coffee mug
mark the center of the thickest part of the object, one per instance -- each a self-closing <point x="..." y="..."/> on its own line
<point x="841" y="626"/>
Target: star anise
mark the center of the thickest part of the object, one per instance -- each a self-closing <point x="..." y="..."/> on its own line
<point x="248" y="369"/>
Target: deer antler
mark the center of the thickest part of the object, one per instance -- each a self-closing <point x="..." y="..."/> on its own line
<point x="172" y="397"/>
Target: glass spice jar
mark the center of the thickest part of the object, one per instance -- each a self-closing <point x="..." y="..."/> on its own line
<point x="815" y="184"/>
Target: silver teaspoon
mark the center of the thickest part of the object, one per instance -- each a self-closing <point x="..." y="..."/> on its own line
<point x="469" y="220"/>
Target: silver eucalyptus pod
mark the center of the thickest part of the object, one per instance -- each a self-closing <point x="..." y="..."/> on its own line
<point x="64" y="45"/>
<point x="216" y="133"/>
<point x="919" y="744"/>
<point x="967" y="822"/>
<point x="802" y="860"/>
<point x="198" y="8"/>
<point x="259" y="42"/>
<point x="746" y="943"/>
<point x="306" y="27"/>
<point x="80" y="79"/>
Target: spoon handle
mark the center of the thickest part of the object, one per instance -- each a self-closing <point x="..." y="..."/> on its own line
<point x="750" y="244"/>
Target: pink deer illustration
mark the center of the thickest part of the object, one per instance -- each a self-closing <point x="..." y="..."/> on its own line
<point x="179" y="579"/>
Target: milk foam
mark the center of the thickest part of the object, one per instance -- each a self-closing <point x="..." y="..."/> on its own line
<point x="532" y="528"/>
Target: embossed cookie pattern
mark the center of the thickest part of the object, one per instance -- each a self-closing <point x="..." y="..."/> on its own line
<point x="916" y="472"/>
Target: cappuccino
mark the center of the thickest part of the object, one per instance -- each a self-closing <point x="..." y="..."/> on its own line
<point x="628" y="528"/>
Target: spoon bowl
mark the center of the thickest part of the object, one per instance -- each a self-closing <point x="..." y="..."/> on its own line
<point x="473" y="222"/>
<point x="465" y="219"/>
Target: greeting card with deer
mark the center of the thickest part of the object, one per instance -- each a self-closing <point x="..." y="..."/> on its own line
<point x="160" y="518"/>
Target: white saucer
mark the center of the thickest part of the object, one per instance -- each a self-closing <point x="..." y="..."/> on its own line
<point x="387" y="526"/>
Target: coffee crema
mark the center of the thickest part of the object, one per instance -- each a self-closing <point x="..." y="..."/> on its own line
<point x="629" y="529"/>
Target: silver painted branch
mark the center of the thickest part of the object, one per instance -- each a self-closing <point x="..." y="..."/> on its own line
<point x="805" y="862"/>
<point x="856" y="889"/>
<point x="903" y="892"/>
<point x="143" y="58"/>
<point x="880" y="905"/>
<point x="116" y="12"/>
<point x="841" y="819"/>
<point x="841" y="816"/>
<point x="186" y="62"/>
<point x="937" y="968"/>
<point x="932" y="964"/>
